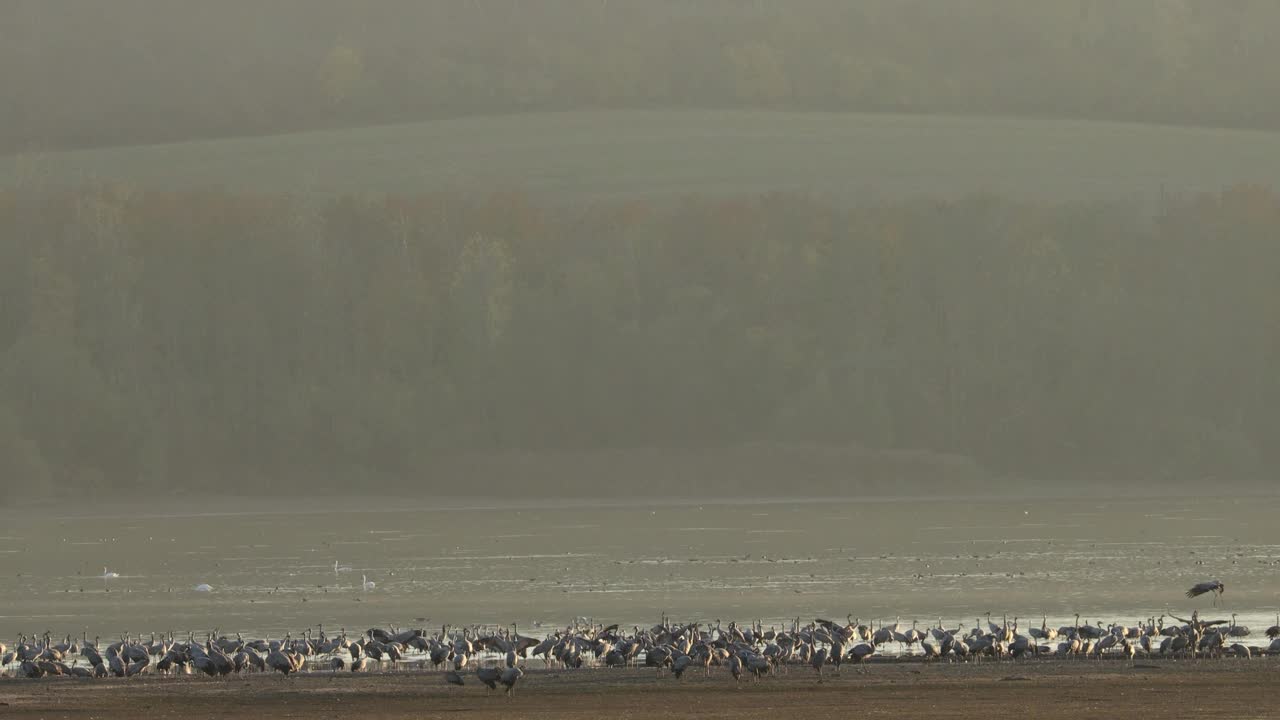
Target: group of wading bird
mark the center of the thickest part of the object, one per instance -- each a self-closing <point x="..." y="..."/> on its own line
<point x="498" y="653"/>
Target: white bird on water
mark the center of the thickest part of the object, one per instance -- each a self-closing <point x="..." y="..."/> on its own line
<point x="368" y="584"/>
<point x="204" y="587"/>
<point x="107" y="574"/>
<point x="340" y="568"/>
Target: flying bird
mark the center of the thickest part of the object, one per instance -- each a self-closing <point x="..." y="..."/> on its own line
<point x="1213" y="586"/>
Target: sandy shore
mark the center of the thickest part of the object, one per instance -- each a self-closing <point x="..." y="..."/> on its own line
<point x="1228" y="688"/>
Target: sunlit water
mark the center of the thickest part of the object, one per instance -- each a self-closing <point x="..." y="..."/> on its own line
<point x="272" y="571"/>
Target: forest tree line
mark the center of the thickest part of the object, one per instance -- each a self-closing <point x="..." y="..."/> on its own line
<point x="85" y="72"/>
<point x="155" y="339"/>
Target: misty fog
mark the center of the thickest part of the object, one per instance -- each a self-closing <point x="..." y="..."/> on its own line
<point x="384" y="356"/>
<point x="1041" y="255"/>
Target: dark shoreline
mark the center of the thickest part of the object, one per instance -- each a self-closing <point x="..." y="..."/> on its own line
<point x="1042" y="688"/>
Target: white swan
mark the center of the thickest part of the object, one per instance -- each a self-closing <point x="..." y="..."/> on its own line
<point x="107" y="574"/>
<point x="340" y="568"/>
<point x="368" y="584"/>
<point x="204" y="587"/>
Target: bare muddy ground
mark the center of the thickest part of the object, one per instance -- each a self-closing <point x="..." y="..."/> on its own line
<point x="1041" y="689"/>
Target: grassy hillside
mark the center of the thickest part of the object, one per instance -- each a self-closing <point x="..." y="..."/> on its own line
<point x="619" y="153"/>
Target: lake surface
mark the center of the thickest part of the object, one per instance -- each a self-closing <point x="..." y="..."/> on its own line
<point x="271" y="569"/>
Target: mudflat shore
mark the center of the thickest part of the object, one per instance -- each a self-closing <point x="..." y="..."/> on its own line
<point x="1228" y="688"/>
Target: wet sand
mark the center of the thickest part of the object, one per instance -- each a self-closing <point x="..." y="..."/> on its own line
<point x="1229" y="688"/>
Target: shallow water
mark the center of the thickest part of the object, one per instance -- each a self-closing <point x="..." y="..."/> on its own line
<point x="540" y="565"/>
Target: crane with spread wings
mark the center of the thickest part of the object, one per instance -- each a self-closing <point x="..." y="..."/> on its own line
<point x="1212" y="586"/>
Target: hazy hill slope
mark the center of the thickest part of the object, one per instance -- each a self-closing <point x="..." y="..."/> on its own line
<point x="619" y="153"/>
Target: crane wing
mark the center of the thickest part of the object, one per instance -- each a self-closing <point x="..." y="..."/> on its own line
<point x="1202" y="588"/>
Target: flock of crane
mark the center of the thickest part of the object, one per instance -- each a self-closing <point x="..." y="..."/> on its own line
<point x="497" y="654"/>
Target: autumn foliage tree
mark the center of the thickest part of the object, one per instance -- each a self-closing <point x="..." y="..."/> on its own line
<point x="153" y="339"/>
